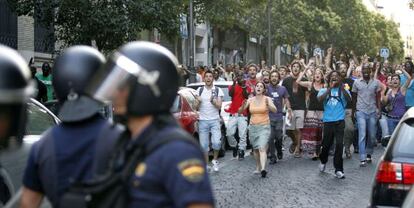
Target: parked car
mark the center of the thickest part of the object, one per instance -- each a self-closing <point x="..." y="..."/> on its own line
<point x="395" y="171"/>
<point x="14" y="158"/>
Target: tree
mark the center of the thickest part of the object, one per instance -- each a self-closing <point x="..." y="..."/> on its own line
<point x="364" y="32"/>
<point x="109" y="24"/>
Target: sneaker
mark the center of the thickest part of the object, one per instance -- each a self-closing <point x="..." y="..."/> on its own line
<point x="363" y="163"/>
<point x="264" y="173"/>
<point x="369" y="159"/>
<point x="256" y="172"/>
<point x="234" y="152"/>
<point x="241" y="154"/>
<point x="215" y="165"/>
<point x="322" y="167"/>
<point x="280" y="155"/>
<point x="340" y="174"/>
<point x="272" y="161"/>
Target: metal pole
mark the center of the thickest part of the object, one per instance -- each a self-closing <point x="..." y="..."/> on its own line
<point x="191" y="45"/>
<point x="269" y="44"/>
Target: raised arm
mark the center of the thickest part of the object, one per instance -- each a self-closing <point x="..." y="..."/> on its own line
<point x="407" y="83"/>
<point x="307" y="84"/>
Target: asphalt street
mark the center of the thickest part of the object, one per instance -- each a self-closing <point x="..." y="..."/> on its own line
<point x="293" y="182"/>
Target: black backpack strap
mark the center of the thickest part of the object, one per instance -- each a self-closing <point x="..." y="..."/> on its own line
<point x="106" y="145"/>
<point x="200" y="90"/>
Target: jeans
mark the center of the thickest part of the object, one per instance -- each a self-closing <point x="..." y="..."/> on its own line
<point x="333" y="131"/>
<point x="234" y="123"/>
<point x="383" y="122"/>
<point x="392" y="123"/>
<point x="349" y="136"/>
<point x="205" y="127"/>
<point x="366" y="143"/>
<point x="276" y="136"/>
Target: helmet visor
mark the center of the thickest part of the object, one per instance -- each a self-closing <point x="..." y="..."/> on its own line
<point x="117" y="74"/>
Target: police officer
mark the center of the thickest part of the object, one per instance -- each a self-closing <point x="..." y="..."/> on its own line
<point x="16" y="88"/>
<point x="143" y="79"/>
<point x="76" y="149"/>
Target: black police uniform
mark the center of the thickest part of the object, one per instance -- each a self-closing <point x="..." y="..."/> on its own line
<point x="15" y="91"/>
<point x="68" y="153"/>
<point x="174" y="175"/>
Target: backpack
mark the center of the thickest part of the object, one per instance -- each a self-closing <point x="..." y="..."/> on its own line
<point x="111" y="189"/>
<point x="200" y="91"/>
<point x="338" y="98"/>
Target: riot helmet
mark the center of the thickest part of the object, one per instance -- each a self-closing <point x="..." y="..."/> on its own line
<point x="149" y="71"/>
<point x="16" y="87"/>
<point x="72" y="71"/>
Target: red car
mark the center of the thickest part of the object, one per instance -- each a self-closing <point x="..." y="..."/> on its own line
<point x="184" y="110"/>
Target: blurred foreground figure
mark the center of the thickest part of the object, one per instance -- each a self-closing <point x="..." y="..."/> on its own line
<point x="77" y="149"/>
<point x="15" y="90"/>
<point x="164" y="167"/>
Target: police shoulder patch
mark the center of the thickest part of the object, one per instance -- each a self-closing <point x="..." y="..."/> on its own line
<point x="192" y="169"/>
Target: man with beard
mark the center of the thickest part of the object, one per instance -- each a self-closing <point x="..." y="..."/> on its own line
<point x="209" y="105"/>
<point x="238" y="92"/>
<point x="334" y="98"/>
<point x="280" y="97"/>
<point x="297" y="101"/>
<point x="266" y="77"/>
<point x="366" y="102"/>
<point x="46" y="78"/>
<point x="216" y="75"/>
<point x="349" y="137"/>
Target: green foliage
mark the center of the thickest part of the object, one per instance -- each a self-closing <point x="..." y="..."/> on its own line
<point x="343" y="24"/>
<point x="107" y="23"/>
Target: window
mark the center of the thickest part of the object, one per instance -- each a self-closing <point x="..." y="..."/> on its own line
<point x="38" y="120"/>
<point x="405" y="139"/>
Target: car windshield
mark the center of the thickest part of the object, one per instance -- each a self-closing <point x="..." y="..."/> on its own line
<point x="405" y="139"/>
<point x="38" y="120"/>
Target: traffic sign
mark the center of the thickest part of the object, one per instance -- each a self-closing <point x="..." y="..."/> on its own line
<point x="384" y="53"/>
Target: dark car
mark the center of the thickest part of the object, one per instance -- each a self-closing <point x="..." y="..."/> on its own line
<point x="395" y="171"/>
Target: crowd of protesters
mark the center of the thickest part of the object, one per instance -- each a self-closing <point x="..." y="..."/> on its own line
<point x="326" y="106"/>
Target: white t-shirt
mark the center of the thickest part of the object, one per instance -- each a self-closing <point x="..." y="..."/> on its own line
<point x="207" y="110"/>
